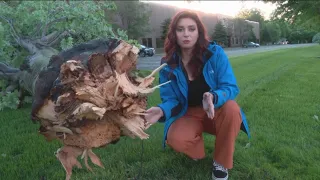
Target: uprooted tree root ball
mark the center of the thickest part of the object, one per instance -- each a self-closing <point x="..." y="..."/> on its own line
<point x="93" y="104"/>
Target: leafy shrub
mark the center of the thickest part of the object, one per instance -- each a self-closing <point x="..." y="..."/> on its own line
<point x="316" y="38"/>
<point x="9" y="100"/>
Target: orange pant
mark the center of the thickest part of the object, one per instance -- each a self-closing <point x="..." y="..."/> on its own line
<point x="185" y="134"/>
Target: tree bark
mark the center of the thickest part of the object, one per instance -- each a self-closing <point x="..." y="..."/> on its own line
<point x="28" y="45"/>
<point x="49" y="37"/>
<point x="58" y="38"/>
<point x="8" y="72"/>
<point x="47" y="26"/>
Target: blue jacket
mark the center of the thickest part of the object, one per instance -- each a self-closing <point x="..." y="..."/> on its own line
<point x="218" y="74"/>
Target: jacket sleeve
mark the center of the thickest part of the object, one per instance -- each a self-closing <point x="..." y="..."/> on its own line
<point x="227" y="88"/>
<point x="170" y="104"/>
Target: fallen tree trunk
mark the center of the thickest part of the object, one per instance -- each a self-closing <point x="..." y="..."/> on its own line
<point x="92" y="102"/>
<point x="40" y="50"/>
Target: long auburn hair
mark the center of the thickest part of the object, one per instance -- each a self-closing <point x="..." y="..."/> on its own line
<point x="171" y="46"/>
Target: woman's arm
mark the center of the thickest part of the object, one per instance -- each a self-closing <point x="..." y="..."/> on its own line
<point x="227" y="88"/>
<point x="170" y="104"/>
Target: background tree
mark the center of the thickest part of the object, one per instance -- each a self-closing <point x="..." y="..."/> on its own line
<point x="253" y="14"/>
<point x="285" y="28"/>
<point x="316" y="38"/>
<point x="220" y="34"/>
<point x="252" y="36"/>
<point x="256" y="15"/>
<point x="165" y="27"/>
<point x="271" y="32"/>
<point x="302" y="13"/>
<point x="279" y="27"/>
<point x="294" y="32"/>
<point x="230" y="30"/>
<point x="299" y="21"/>
<point x="242" y="29"/>
<point x="134" y="17"/>
<point x="301" y="35"/>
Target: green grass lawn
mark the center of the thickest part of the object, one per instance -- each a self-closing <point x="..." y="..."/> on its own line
<point x="279" y="91"/>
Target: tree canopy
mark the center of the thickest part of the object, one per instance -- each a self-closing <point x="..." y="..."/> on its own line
<point x="165" y="27"/>
<point x="56" y="24"/>
<point x="220" y="34"/>
<point x="291" y="21"/>
<point x="271" y="32"/>
<point x="316" y="38"/>
<point x="134" y="17"/>
<point x="253" y="14"/>
<point x="304" y="13"/>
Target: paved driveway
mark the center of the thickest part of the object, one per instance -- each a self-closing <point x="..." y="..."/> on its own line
<point x="150" y="63"/>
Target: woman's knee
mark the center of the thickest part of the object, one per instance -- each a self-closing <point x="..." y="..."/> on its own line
<point x="183" y="135"/>
<point x="231" y="106"/>
<point x="183" y="140"/>
<point x="230" y="112"/>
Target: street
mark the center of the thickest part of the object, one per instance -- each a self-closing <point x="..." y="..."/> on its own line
<point x="150" y="63"/>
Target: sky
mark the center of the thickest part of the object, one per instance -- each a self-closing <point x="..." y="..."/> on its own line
<point x="230" y="8"/>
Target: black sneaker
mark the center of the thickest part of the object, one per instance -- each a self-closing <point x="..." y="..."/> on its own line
<point x="219" y="172"/>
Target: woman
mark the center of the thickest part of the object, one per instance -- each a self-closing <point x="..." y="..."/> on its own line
<point x="200" y="96"/>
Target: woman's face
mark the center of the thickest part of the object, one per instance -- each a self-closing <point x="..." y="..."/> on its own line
<point x="187" y="33"/>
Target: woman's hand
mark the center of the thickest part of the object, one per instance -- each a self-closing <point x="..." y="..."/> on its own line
<point x="153" y="114"/>
<point x="207" y="103"/>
